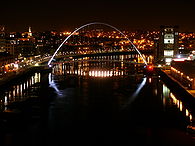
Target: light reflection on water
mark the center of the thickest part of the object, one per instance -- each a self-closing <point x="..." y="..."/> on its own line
<point x="53" y="85"/>
<point x="170" y="98"/>
<point x="98" y="71"/>
<point x="98" y="91"/>
<point x="18" y="92"/>
<point x="106" y="70"/>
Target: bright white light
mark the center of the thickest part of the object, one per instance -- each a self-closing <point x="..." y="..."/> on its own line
<point x="135" y="94"/>
<point x="178" y="59"/>
<point x="168" y="60"/>
<point x="53" y="85"/>
<point x="6" y="101"/>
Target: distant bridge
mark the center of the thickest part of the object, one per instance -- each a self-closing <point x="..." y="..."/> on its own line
<point x="95" y="23"/>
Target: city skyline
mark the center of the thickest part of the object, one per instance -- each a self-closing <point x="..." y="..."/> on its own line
<point x="125" y="15"/>
<point x="97" y="72"/>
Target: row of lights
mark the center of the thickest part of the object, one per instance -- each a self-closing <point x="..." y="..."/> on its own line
<point x="181" y="74"/>
<point x="96" y="73"/>
<point x="180" y="106"/>
<point x="19" y="90"/>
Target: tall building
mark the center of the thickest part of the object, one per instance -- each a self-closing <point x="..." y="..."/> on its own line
<point x="168" y="44"/>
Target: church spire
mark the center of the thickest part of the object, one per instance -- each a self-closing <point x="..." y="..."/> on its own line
<point x="29" y="32"/>
<point x="29" y="29"/>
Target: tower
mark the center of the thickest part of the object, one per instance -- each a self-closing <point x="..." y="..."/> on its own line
<point x="168" y="44"/>
<point x="29" y="32"/>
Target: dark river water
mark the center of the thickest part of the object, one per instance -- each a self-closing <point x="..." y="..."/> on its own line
<point x="93" y="103"/>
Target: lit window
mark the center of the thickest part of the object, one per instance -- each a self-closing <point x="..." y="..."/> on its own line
<point x="168" y="53"/>
<point x="168" y="60"/>
<point x="169" y="36"/>
<point x="169" y="41"/>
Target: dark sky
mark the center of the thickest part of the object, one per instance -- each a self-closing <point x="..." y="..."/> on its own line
<point x="60" y="15"/>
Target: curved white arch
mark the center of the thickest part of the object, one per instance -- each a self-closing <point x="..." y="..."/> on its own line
<point x="93" y="23"/>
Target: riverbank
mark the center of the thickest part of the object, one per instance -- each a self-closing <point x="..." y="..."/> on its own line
<point x="190" y="91"/>
<point x="14" y="76"/>
<point x="187" y="96"/>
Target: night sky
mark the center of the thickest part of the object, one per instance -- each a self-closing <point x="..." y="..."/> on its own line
<point x="60" y="15"/>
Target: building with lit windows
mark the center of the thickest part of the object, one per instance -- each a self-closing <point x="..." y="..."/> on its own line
<point x="168" y="44"/>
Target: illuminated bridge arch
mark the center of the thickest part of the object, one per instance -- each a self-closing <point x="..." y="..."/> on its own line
<point x="94" y="23"/>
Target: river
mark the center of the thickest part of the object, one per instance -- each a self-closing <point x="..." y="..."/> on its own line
<point x="93" y="103"/>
